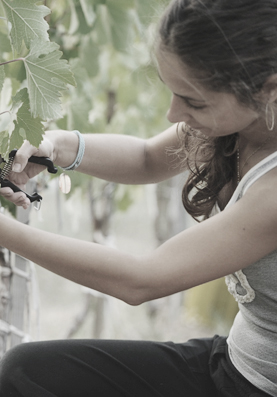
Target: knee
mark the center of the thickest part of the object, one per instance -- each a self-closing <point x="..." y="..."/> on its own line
<point x="12" y="367"/>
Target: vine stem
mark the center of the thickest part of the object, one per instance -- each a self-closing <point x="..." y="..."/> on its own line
<point x="6" y="111"/>
<point x="13" y="60"/>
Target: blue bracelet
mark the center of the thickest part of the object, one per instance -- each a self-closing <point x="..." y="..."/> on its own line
<point x="80" y="154"/>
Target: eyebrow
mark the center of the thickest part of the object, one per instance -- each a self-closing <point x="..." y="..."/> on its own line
<point x="187" y="98"/>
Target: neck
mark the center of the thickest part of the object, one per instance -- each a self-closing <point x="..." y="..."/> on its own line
<point x="252" y="147"/>
<point x="255" y="134"/>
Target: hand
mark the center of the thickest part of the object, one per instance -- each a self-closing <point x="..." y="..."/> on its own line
<point x="22" y="171"/>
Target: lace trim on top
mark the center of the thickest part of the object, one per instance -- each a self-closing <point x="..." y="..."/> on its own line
<point x="232" y="281"/>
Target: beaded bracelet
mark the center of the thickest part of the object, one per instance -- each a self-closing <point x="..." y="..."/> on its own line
<point x="80" y="154"/>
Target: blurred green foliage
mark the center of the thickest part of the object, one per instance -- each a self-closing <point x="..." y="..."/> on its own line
<point x="108" y="45"/>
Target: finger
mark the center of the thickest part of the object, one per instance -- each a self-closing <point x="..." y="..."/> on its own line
<point x="6" y="192"/>
<point x="21" y="200"/>
<point x="18" y="198"/>
<point x="22" y="156"/>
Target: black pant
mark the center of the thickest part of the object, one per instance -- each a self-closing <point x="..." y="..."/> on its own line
<point x="88" y="368"/>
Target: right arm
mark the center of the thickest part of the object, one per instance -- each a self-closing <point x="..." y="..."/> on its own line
<point x="119" y="158"/>
<point x="113" y="157"/>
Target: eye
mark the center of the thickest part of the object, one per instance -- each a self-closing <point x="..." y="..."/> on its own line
<point x="189" y="104"/>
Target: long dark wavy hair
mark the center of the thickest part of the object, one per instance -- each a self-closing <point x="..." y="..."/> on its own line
<point x="231" y="45"/>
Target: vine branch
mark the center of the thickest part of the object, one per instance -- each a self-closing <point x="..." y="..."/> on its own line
<point x="13" y="60"/>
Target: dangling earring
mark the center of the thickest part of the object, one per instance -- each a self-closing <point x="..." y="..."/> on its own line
<point x="269" y="117"/>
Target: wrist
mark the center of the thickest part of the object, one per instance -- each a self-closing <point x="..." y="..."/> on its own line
<point x="80" y="153"/>
<point x="65" y="146"/>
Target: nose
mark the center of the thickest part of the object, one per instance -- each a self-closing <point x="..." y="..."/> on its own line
<point x="177" y="111"/>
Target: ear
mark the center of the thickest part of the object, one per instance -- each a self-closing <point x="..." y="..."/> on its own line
<point x="268" y="93"/>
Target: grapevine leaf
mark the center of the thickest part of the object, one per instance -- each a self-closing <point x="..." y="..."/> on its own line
<point x="26" y="127"/>
<point x="5" y="114"/>
<point x="4" y="142"/>
<point x="16" y="139"/>
<point x="47" y="77"/>
<point x="27" y="20"/>
<point x="5" y="45"/>
<point x="16" y="70"/>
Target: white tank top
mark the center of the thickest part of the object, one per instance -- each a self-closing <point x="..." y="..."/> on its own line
<point x="252" y="341"/>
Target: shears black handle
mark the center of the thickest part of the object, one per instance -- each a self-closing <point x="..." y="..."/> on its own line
<point x="34" y="197"/>
<point x="39" y="160"/>
<point x="45" y="161"/>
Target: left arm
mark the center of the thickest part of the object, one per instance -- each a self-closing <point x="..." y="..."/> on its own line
<point x="219" y="246"/>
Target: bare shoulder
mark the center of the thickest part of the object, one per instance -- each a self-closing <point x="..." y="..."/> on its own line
<point x="253" y="220"/>
<point x="261" y="198"/>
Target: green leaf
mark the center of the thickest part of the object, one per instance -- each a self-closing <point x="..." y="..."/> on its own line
<point x="27" y="20"/>
<point x="6" y="116"/>
<point x="4" y="142"/>
<point x="5" y="45"/>
<point x="83" y="83"/>
<point x="26" y="127"/>
<point x="16" y="70"/>
<point x="16" y="139"/>
<point x="47" y="77"/>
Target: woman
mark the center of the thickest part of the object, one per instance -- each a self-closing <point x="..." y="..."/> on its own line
<point x="219" y="59"/>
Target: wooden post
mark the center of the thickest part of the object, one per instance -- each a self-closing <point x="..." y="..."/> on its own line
<point x="5" y="281"/>
<point x="14" y="305"/>
<point x="19" y="289"/>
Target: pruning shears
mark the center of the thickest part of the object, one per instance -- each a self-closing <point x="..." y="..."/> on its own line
<point x="4" y="182"/>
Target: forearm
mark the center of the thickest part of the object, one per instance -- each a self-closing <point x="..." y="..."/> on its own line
<point x="98" y="267"/>
<point x="117" y="158"/>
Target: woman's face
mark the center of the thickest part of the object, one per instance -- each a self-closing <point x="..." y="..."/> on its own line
<point x="213" y="113"/>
